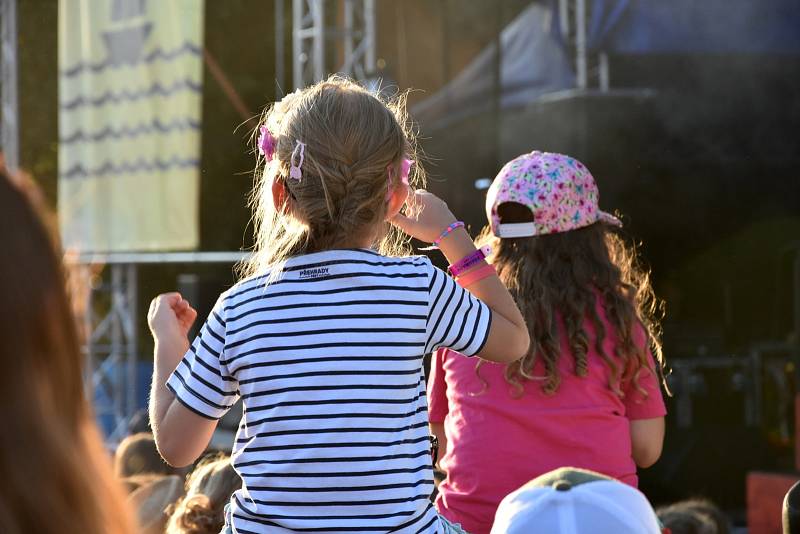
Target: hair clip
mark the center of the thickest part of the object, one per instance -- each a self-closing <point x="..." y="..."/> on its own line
<point x="266" y="143"/>
<point x="405" y="168"/>
<point x="295" y="171"/>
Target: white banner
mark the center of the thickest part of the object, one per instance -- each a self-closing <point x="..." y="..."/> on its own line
<point x="130" y="87"/>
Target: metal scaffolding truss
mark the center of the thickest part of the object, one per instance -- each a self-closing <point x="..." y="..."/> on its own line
<point x="111" y="348"/>
<point x="111" y="323"/>
<point x="573" y="16"/>
<point x="9" y="130"/>
<point x="353" y="41"/>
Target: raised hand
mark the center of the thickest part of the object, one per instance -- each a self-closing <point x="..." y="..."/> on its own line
<point x="426" y="216"/>
<point x="170" y="317"/>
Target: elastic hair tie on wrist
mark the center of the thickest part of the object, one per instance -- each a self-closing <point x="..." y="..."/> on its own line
<point x="447" y="231"/>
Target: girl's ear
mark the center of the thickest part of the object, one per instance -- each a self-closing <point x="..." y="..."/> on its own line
<point x="280" y="195"/>
<point x="396" y="201"/>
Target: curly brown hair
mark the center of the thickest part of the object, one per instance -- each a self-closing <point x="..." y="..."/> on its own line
<point x="208" y="489"/>
<point x="565" y="273"/>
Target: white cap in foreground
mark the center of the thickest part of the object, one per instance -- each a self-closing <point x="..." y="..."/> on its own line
<point x="575" y="501"/>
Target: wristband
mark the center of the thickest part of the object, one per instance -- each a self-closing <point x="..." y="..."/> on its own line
<point x="447" y="231"/>
<point x="476" y="275"/>
<point x="469" y="261"/>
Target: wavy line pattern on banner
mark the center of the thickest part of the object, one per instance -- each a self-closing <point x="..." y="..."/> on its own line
<point x="157" y="54"/>
<point x="126" y="132"/>
<point x="130" y="167"/>
<point x="132" y="96"/>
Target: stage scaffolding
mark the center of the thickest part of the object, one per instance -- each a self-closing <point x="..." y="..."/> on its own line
<point x="111" y="325"/>
<point x="573" y="16"/>
<point x="312" y="35"/>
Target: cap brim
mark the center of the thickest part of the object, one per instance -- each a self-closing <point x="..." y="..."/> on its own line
<point x="511" y="230"/>
<point x="608" y="219"/>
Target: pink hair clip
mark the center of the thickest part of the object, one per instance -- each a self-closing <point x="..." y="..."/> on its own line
<point x="295" y="171"/>
<point x="405" y="168"/>
<point x="266" y="143"/>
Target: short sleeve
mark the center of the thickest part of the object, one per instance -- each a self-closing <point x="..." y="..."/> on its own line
<point x="437" y="389"/>
<point x="639" y="405"/>
<point x="201" y="381"/>
<point x="457" y="320"/>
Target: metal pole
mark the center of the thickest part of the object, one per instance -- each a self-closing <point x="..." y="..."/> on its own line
<point x="580" y="43"/>
<point x="131" y="333"/>
<point x="563" y="18"/>
<point x="605" y="76"/>
<point x="9" y="131"/>
<point x="318" y="16"/>
<point x="118" y="380"/>
<point x="497" y="80"/>
<point x="279" y="52"/>
<point x="297" y="43"/>
<point x="369" y="36"/>
<point x="349" y="37"/>
<point x="445" y="19"/>
<point x="88" y="316"/>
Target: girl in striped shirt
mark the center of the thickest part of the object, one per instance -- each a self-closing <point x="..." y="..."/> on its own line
<point x="323" y="338"/>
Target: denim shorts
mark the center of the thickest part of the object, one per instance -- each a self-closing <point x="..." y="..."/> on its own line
<point x="450" y="527"/>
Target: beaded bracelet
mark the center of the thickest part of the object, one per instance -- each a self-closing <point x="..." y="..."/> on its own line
<point x="476" y="275"/>
<point x="447" y="231"/>
<point x="469" y="261"/>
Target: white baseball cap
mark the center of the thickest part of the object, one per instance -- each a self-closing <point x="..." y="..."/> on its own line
<point x="575" y="501"/>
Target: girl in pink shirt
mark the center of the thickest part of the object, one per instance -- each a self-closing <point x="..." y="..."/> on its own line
<point x="587" y="393"/>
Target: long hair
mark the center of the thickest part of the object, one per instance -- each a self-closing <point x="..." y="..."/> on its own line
<point x="355" y="141"/>
<point x="564" y="274"/>
<point x="56" y="475"/>
<point x="208" y="489"/>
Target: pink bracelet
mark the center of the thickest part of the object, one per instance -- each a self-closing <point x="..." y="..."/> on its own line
<point x="469" y="261"/>
<point x="447" y="231"/>
<point x="476" y="275"/>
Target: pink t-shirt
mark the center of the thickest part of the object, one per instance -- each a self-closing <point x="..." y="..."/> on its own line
<point x="498" y="442"/>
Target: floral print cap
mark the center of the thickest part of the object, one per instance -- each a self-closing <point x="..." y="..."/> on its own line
<point x="559" y="190"/>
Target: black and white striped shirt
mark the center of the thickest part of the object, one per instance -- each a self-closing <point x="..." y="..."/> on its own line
<point x="328" y="362"/>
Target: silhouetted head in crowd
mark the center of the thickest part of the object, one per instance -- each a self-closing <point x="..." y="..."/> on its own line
<point x="137" y="454"/>
<point x="153" y="502"/>
<point x="134" y="482"/>
<point x="56" y="476"/>
<point x="694" y="516"/>
<point x="208" y="490"/>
